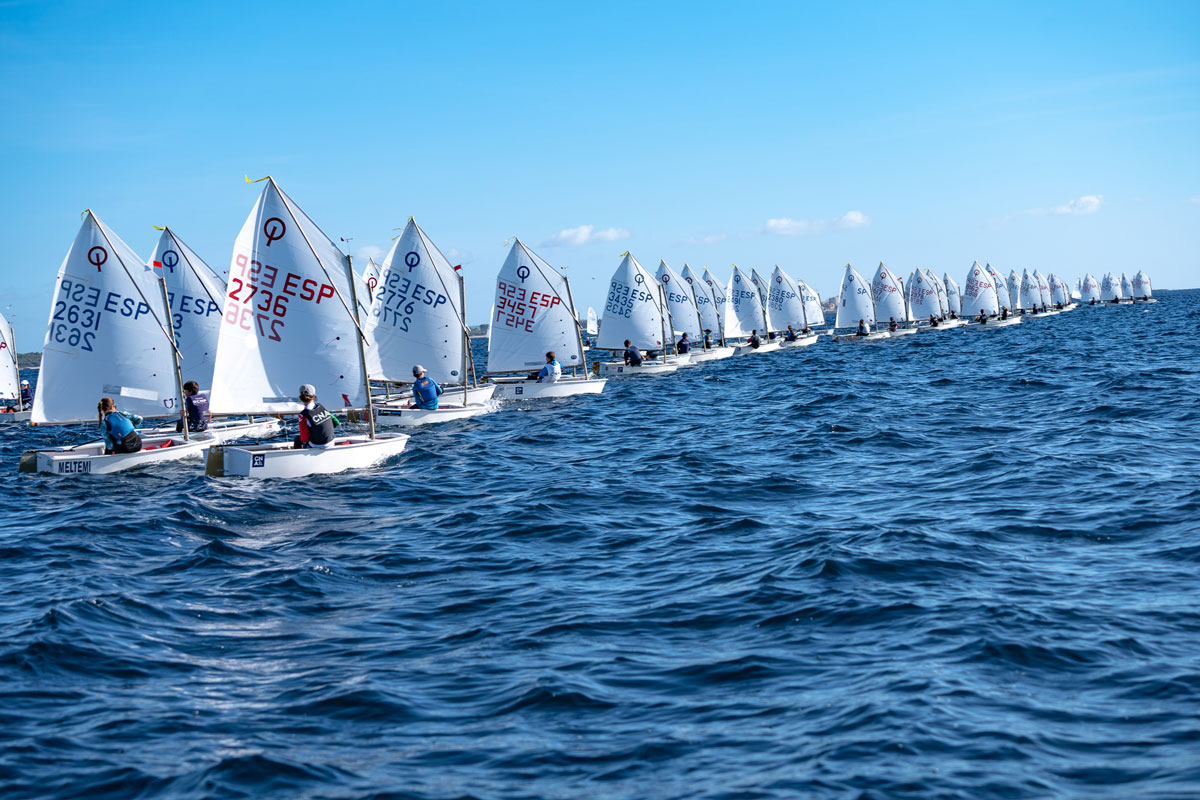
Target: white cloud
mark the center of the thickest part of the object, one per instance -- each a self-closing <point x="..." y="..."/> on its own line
<point x="1194" y="200"/>
<point x="585" y="234"/>
<point x="1088" y="204"/>
<point x="791" y="227"/>
<point x="370" y="251"/>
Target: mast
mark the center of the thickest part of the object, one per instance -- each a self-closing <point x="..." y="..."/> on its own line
<point x="664" y="316"/>
<point x="362" y="352"/>
<point x="183" y="422"/>
<point x="466" y="333"/>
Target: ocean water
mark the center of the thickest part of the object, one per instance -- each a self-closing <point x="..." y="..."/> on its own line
<point x="959" y="565"/>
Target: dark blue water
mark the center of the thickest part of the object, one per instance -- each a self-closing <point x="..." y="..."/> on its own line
<point x="961" y="565"/>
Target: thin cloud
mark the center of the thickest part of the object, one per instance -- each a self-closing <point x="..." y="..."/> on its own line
<point x="1088" y="204"/>
<point x="793" y="227"/>
<point x="585" y="234"/>
<point x="712" y="238"/>
<point x="1194" y="200"/>
<point x="370" y="251"/>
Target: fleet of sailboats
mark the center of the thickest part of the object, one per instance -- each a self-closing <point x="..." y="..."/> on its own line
<point x="291" y="312"/>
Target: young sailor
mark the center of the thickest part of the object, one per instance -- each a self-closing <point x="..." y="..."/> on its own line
<point x="316" y="423"/>
<point x="552" y="371"/>
<point x="633" y="356"/>
<point x="196" y="404"/>
<point x="982" y="317"/>
<point x="892" y="325"/>
<point x="790" y="336"/>
<point x="862" y="328"/>
<point x="425" y="390"/>
<point x="120" y="429"/>
<point x="26" y="396"/>
<point x="754" y="341"/>
<point x="683" y="345"/>
<point x="707" y="338"/>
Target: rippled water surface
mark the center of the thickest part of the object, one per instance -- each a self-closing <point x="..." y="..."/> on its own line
<point x="960" y="565"/>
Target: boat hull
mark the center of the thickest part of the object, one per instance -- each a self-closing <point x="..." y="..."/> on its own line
<point x="222" y="431"/>
<point x="23" y="416"/>
<point x="522" y="389"/>
<point x="475" y="394"/>
<point x="711" y="354"/>
<point x="89" y="458"/>
<point x="281" y="460"/>
<point x="764" y="347"/>
<point x="903" y="332"/>
<point x="801" y="341"/>
<point x="615" y="369"/>
<point x="877" y="336"/>
<point x="393" y="417"/>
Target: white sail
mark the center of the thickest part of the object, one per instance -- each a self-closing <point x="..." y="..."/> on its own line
<point x="1013" y="284"/>
<point x="533" y="314"/>
<point x="1077" y="292"/>
<point x="923" y="300"/>
<point x="416" y="316"/>
<point x="105" y="335"/>
<point x="706" y="302"/>
<point x="1001" y="287"/>
<point x="634" y="309"/>
<point x="1126" y="286"/>
<point x="1059" y="291"/>
<point x="854" y="301"/>
<point x="288" y="316"/>
<point x="953" y="295"/>
<point x="786" y="305"/>
<point x="764" y="298"/>
<point x="1141" y="285"/>
<point x="1089" y="289"/>
<point x="1029" y="295"/>
<point x="681" y="303"/>
<point x="745" y="305"/>
<point x="887" y="293"/>
<point x="813" y="313"/>
<point x="1043" y="287"/>
<point x="196" y="294"/>
<point x="10" y="378"/>
<point x="943" y="303"/>
<point x="979" y="293"/>
<point x="370" y="276"/>
<point x="1110" y="288"/>
<point x="593" y="322"/>
<point x="721" y="300"/>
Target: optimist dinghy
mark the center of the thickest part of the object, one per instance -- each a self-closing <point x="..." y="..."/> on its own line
<point x="535" y="314"/>
<point x="10" y="374"/>
<point x="291" y="317"/>
<point x="705" y="295"/>
<point x="887" y="295"/>
<point x="1089" y="290"/>
<point x="854" y="304"/>
<point x="107" y="336"/>
<point x="745" y="309"/>
<point x="787" y="310"/>
<point x="1142" y="291"/>
<point x="636" y="310"/>
<point x="981" y="294"/>
<point x="417" y="318"/>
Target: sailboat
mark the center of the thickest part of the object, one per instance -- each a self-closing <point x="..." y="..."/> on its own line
<point x="591" y="328"/>
<point x="706" y="306"/>
<point x="107" y="336"/>
<point x="813" y="313"/>
<point x="1110" y="289"/>
<point x="855" y="304"/>
<point x="981" y="294"/>
<point x="534" y="314"/>
<point x="1013" y="284"/>
<point x="418" y="318"/>
<point x="764" y="298"/>
<point x="291" y="317"/>
<point x="949" y="317"/>
<point x="1077" y="292"/>
<point x="636" y="311"/>
<point x="1043" y="293"/>
<point x="953" y="295"/>
<point x="1029" y="295"/>
<point x="887" y="294"/>
<point x="924" y="301"/>
<point x="1060" y="293"/>
<point x="787" y="309"/>
<point x="1089" y="291"/>
<point x="1142" y="291"/>
<point x="1001" y="287"/>
<point x="195" y="294"/>
<point x="683" y="314"/>
<point x="1126" y="289"/>
<point x="10" y="375"/>
<point x="721" y="301"/>
<point x="745" y="307"/>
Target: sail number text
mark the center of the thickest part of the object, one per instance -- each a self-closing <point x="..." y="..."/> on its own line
<point x="259" y="295"/>
<point x="75" y="320"/>
<point x="622" y="299"/>
<point x="399" y="299"/>
<point x="517" y="309"/>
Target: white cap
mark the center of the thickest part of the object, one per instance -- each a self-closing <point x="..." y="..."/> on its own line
<point x="417" y="370"/>
<point x="308" y="389"/>
<point x="24" y="383"/>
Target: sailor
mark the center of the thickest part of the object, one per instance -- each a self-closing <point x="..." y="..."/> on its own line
<point x="953" y="314"/>
<point x="933" y="322"/>
<point x="790" y="336"/>
<point x="119" y="428"/>
<point x="316" y="423"/>
<point x="982" y="317"/>
<point x="1004" y="313"/>
<point x="552" y="371"/>
<point x="892" y="325"/>
<point x="1092" y="302"/>
<point x="633" y="356"/>
<point x="196" y="404"/>
<point x="1058" y="306"/>
<point x="707" y="338"/>
<point x="426" y="390"/>
<point x="26" y="396"/>
<point x="862" y="328"/>
<point x="754" y="341"/>
<point x="684" y="345"/>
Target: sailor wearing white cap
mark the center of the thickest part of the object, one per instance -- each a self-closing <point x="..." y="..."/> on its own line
<point x="316" y="423"/>
<point x="425" y="390"/>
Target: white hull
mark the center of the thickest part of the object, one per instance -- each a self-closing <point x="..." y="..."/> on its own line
<point x="23" y="416"/>
<point x="1136" y="300"/>
<point x="281" y="460"/>
<point x="475" y="394"/>
<point x="412" y="417"/>
<point x="612" y="369"/>
<point x="522" y="389"/>
<point x="226" y="430"/>
<point x="682" y="359"/>
<point x="995" y="323"/>
<point x="952" y="323"/>
<point x="711" y="354"/>
<point x="870" y="337"/>
<point x="89" y="459"/>
<point x="763" y="347"/>
<point x="801" y="341"/>
<point x="903" y="332"/>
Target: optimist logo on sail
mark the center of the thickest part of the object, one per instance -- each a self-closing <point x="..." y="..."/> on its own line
<point x="97" y="256"/>
<point x="274" y="229"/>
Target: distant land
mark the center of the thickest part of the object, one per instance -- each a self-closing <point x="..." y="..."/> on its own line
<point x="29" y="360"/>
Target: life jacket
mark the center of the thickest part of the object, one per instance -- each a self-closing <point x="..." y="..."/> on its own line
<point x="197" y="411"/>
<point x="121" y="430"/>
<point x="683" y="346"/>
<point x="633" y="356"/>
<point x="319" y="424"/>
<point x="550" y="373"/>
<point x="425" y="392"/>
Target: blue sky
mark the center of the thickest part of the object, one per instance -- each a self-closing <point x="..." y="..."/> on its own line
<point x="1059" y="136"/>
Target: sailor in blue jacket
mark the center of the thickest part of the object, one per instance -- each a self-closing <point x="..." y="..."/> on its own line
<point x="425" y="390"/>
<point x="119" y="428"/>
<point x="196" y="404"/>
